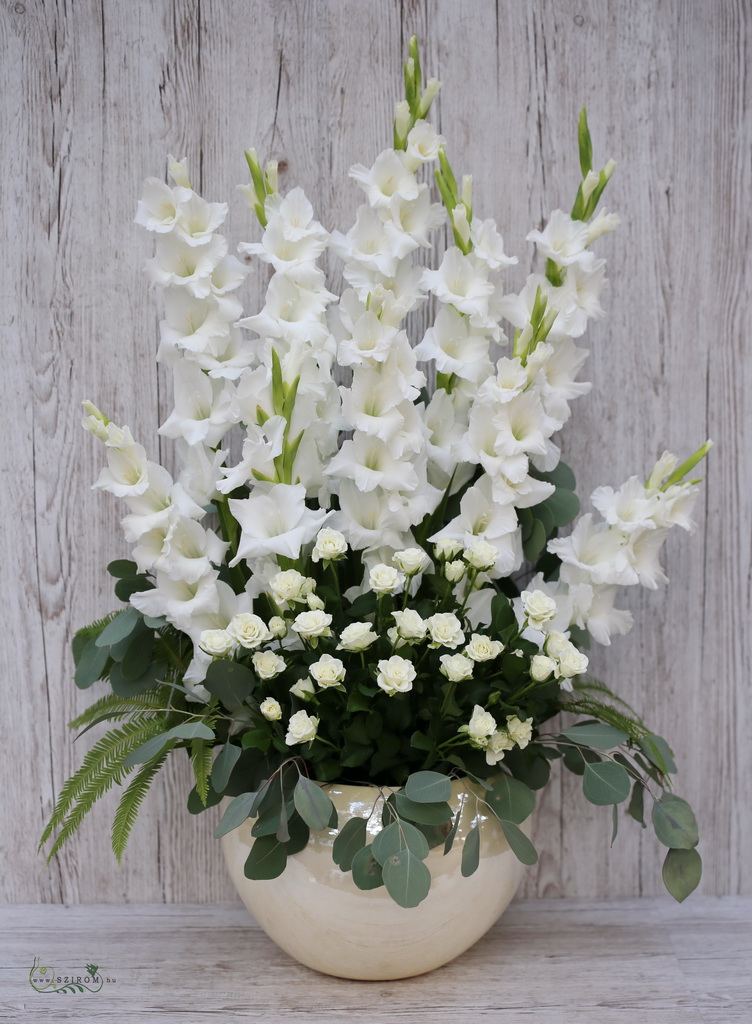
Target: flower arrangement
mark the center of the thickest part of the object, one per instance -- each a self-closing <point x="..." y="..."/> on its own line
<point x="374" y="589"/>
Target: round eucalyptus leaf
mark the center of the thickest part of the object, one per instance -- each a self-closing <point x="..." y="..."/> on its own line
<point x="428" y="787"/>
<point x="267" y="859"/>
<point x="366" y="870"/>
<point x="674" y="823"/>
<point x="471" y="852"/>
<point x="351" y="839"/>
<point x="511" y="799"/>
<point x="236" y="812"/>
<point x="682" y="870"/>
<point x="407" y="879"/>
<point x="605" y="783"/>
<point x="596" y="734"/>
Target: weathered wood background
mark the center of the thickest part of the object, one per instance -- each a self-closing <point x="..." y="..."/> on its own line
<point x="95" y="94"/>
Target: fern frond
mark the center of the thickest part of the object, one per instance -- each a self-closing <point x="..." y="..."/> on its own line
<point x="201" y="759"/>
<point x="596" y="686"/>
<point x="101" y="767"/>
<point x="131" y="800"/>
<point x="605" y="713"/>
<point x="95" y="628"/>
<point x="152" y="699"/>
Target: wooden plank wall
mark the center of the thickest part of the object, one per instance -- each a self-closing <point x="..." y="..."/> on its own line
<point x="94" y="94"/>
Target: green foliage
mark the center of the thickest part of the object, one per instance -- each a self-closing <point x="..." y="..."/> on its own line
<point x="201" y="762"/>
<point x="510" y="799"/>
<point x="406" y="877"/>
<point x="471" y="852"/>
<point x="130" y="803"/>
<point x="682" y="870"/>
<point x="605" y="783"/>
<point x="674" y="823"/>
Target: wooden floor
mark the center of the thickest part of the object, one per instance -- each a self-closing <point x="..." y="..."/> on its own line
<point x="549" y="961"/>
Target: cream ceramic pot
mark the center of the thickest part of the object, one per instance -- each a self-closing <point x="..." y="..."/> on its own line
<point x="315" y="912"/>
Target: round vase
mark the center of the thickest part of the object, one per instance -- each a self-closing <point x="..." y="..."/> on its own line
<point x="316" y="913"/>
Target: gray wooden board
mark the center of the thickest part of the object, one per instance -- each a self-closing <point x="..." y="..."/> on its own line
<point x="551" y="961"/>
<point x="96" y="93"/>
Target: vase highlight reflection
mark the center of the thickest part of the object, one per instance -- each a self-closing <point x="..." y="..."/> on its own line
<point x="315" y="912"/>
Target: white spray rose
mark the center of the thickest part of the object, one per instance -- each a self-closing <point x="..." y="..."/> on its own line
<point x="572" y="663"/>
<point x="315" y="603"/>
<point x="311" y="625"/>
<point x="249" y="630"/>
<point x="411" y="560"/>
<point x="410" y="626"/>
<point x="454" y="571"/>
<point x="303" y="689"/>
<point x="267" y="664"/>
<point x="456" y="667"/>
<point x="541" y="667"/>
<point x="498" y="744"/>
<point x="483" y="648"/>
<point x="301" y="728"/>
<point x="287" y="585"/>
<point x="481" y="555"/>
<point x="271" y="709"/>
<point x="327" y="671"/>
<point x="395" y="675"/>
<point x="330" y="545"/>
<point x="277" y="626"/>
<point x="356" y="637"/>
<point x="216" y="642"/>
<point x="385" y="579"/>
<point x="520" y="732"/>
<point x="539" y="607"/>
<point x="557" y="644"/>
<point x="445" y="549"/>
<point x="445" y="629"/>
<point x="481" y="726"/>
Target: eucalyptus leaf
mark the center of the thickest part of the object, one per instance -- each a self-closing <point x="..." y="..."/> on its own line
<point x="682" y="870"/>
<point x="605" y="783"/>
<point x="91" y="664"/>
<point x="564" y="506"/>
<point x="511" y="799"/>
<point x="119" y="628"/>
<point x="658" y="753"/>
<point x="519" y="843"/>
<point x="138" y="655"/>
<point x="366" y="870"/>
<point x="267" y="859"/>
<point x="351" y="838"/>
<point x="536" y="542"/>
<point x="400" y="835"/>
<point x="449" y="841"/>
<point x="146" y="751"/>
<point x="298" y="833"/>
<point x="236" y="812"/>
<point x="428" y="787"/>
<point x="674" y="823"/>
<point x="122" y="568"/>
<point x="424" y="813"/>
<point x="407" y="879"/>
<point x="471" y="852"/>
<point x="615" y="823"/>
<point x="596" y="734"/>
<point x="225" y="761"/>
<point x="229" y="681"/>
<point x="191" y="731"/>
<point x="133" y="687"/>
<point x="312" y="804"/>
<point x="636" y="807"/>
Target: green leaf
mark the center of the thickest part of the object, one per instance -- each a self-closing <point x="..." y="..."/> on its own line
<point x="226" y="760"/>
<point x="352" y="837"/>
<point x="682" y="870"/>
<point x="229" y="681"/>
<point x="236" y="812"/>
<point x="471" y="852"/>
<point x="91" y="664"/>
<point x="191" y="731"/>
<point x="674" y="823"/>
<point x="259" y="738"/>
<point x="299" y="834"/>
<point x="119" y="628"/>
<point x="536" y="542"/>
<point x="615" y="824"/>
<point x="560" y="476"/>
<point x="400" y="835"/>
<point x="605" y="783"/>
<point x="133" y="687"/>
<point x="564" y="506"/>
<point x="147" y="750"/>
<point x="428" y="787"/>
<point x="312" y="804"/>
<point x="267" y="859"/>
<point x="407" y="879"/>
<point x="424" y="813"/>
<point x="125" y="589"/>
<point x="366" y="870"/>
<point x="658" y="753"/>
<point x="122" y="568"/>
<point x="511" y="799"/>
<point x="449" y="842"/>
<point x="596" y="734"/>
<point x="138" y="655"/>
<point x="584" y="143"/>
<point x="636" y="808"/>
<point x="197" y="804"/>
<point x="130" y="803"/>
<point x="519" y="843"/>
